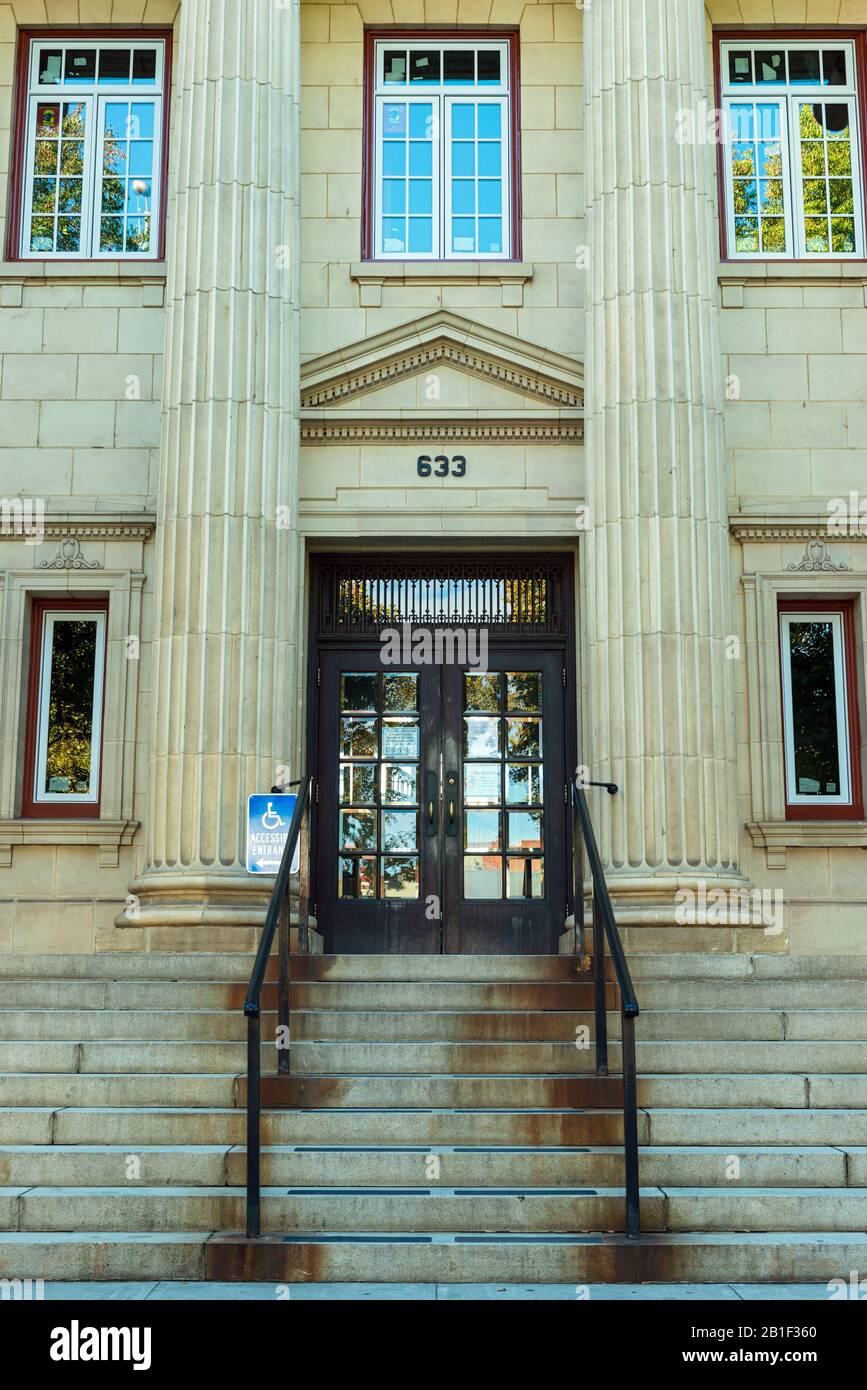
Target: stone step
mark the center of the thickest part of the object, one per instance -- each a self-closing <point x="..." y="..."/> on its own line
<point x="436" y="1165"/>
<point x="691" y="1257"/>
<point x="131" y="965"/>
<point x="117" y="1089"/>
<point x="237" y="966"/>
<point x="129" y="1057"/>
<point x="741" y="1025"/>
<point x="170" y="995"/>
<point x="445" y="1257"/>
<point x="161" y="995"/>
<point x="80" y="1125"/>
<point x="756" y="1089"/>
<point x="498" y="1166"/>
<point x="226" y="1126"/>
<point x="139" y="1025"/>
<point x="400" y="1210"/>
<point x="151" y="1026"/>
<point x="763" y="1126"/>
<point x="314" y="1058"/>
<point x="107" y="1165"/>
<point x="788" y="995"/>
<point x="395" y="1092"/>
<point x="185" y="1208"/>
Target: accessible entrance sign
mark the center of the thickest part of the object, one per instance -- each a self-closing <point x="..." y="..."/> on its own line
<point x="268" y="820"/>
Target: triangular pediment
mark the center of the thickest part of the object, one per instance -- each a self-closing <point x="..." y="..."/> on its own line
<point x="375" y="375"/>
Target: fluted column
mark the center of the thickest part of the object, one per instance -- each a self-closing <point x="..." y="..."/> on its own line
<point x="660" y="707"/>
<point x="227" y="537"/>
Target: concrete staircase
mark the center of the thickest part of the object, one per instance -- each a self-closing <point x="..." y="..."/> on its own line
<point x="439" y="1123"/>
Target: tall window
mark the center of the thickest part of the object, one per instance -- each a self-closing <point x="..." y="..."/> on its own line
<point x="820" y="720"/>
<point x="791" y="149"/>
<point x="65" y="729"/>
<point x="442" y="145"/>
<point x="92" y="155"/>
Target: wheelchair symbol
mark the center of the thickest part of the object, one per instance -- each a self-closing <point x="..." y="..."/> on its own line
<point x="270" y="819"/>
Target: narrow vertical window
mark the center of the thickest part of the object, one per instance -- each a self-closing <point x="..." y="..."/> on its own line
<point x="820" y="721"/>
<point x="65" y="738"/>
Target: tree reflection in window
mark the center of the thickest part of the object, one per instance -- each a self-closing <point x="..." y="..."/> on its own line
<point x="814" y="708"/>
<point x="70" y="707"/>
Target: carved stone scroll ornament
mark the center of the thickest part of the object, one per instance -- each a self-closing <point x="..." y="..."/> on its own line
<point x="817" y="558"/>
<point x="69" y="557"/>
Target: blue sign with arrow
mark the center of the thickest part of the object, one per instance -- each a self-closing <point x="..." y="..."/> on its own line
<point x="268" y="820"/>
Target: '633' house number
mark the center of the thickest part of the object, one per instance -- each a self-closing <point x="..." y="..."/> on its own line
<point x="441" y="466"/>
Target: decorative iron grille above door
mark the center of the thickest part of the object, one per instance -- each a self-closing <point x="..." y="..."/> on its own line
<point x="358" y="597"/>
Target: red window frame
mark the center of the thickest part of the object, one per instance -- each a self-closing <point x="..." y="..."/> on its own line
<point x="782" y="35"/>
<point x="31" y="809"/>
<point x="28" y="36"/>
<point x="421" y="35"/>
<point x="855" y="809"/>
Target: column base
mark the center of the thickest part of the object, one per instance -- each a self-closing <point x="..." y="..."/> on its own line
<point x="680" y="912"/>
<point x="200" y="900"/>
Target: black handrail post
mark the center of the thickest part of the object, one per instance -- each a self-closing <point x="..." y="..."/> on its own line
<point x="605" y="929"/>
<point x="304" y="883"/>
<point x="254" y="1110"/>
<point x="630" y="1125"/>
<point x="283" y="950"/>
<point x="599" y="989"/>
<point x="277" y="922"/>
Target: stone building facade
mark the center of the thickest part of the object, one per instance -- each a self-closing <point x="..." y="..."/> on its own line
<point x="633" y="318"/>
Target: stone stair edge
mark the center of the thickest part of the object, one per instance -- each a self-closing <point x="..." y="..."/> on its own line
<point x="194" y="966"/>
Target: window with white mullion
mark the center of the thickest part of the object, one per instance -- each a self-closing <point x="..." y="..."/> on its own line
<point x="58" y="191"/>
<point x="407" y="178"/>
<point x="93" y="154"/>
<point x="477" y="181"/>
<point x="756" y="161"/>
<point x="827" y="184"/>
<point x="128" y="139"/>
<point x="793" y="163"/>
<point x="441" y="186"/>
<point x="815" y="709"/>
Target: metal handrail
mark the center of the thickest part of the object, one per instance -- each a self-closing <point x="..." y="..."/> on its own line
<point x="278" y="916"/>
<point x="605" y="929"/>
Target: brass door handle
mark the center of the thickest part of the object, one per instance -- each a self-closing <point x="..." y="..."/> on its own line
<point x="451" y="819"/>
<point x="432" y="799"/>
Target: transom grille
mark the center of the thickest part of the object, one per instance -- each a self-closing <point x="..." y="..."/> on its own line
<point x="358" y="597"/>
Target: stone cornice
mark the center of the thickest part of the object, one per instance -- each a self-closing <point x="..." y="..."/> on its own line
<point x="341" y="430"/>
<point x="100" y="528"/>
<point x="786" y="528"/>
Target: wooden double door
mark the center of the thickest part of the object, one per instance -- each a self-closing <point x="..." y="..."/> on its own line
<point x="441" y="814"/>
